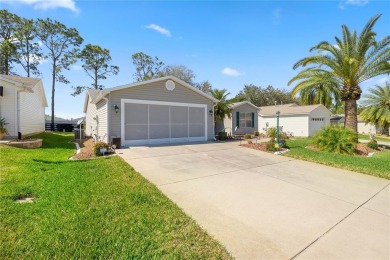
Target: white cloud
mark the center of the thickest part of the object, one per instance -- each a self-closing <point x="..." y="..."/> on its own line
<point x="382" y="81"/>
<point x="77" y="67"/>
<point x="231" y="72"/>
<point x="48" y="4"/>
<point x="159" y="29"/>
<point x="344" y="3"/>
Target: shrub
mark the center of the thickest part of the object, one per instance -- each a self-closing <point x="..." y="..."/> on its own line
<point x="337" y="139"/>
<point x="222" y="136"/>
<point x="249" y="141"/>
<point x="256" y="133"/>
<point x="373" y="144"/>
<point x="270" y="145"/>
<point x="247" y="136"/>
<point x="97" y="146"/>
<point x="271" y="132"/>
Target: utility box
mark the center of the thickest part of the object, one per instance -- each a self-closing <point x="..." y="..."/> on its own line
<point x="77" y="134"/>
<point x="116" y="141"/>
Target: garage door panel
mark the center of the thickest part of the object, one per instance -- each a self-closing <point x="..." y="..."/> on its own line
<point x="136" y="121"/>
<point x="196" y="122"/>
<point x="179" y="122"/>
<point x="158" y="122"/>
<point x="136" y="113"/>
<point x="136" y="132"/>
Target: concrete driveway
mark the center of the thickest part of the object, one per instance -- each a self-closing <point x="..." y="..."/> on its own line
<point x="261" y="205"/>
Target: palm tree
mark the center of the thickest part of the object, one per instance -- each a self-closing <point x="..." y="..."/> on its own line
<point x="377" y="106"/>
<point x="222" y="108"/>
<point x="313" y="92"/>
<point x="348" y="63"/>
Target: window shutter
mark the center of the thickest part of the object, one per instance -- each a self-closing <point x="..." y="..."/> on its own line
<point x="238" y="119"/>
<point x="253" y="119"/>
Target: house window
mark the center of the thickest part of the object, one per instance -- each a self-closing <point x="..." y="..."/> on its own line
<point x="317" y="119"/>
<point x="245" y="119"/>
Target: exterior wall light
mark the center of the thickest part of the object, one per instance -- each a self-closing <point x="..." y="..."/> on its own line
<point x="116" y="108"/>
<point x="211" y="112"/>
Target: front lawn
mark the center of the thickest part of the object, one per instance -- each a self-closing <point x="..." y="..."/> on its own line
<point x="89" y="209"/>
<point x="378" y="165"/>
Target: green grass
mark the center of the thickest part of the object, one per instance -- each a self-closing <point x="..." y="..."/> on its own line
<point x="378" y="138"/>
<point x="378" y="165"/>
<point x="89" y="209"/>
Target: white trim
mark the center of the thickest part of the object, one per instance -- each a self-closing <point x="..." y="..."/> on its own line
<point x="164" y="140"/>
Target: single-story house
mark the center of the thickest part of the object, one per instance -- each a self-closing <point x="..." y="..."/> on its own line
<point x="61" y="123"/>
<point x="162" y="110"/>
<point x="298" y="120"/>
<point x="243" y="119"/>
<point x="22" y="104"/>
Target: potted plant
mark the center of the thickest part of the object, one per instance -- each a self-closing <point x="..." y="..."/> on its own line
<point x="3" y="130"/>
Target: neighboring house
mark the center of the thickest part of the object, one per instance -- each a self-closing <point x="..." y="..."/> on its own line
<point x="243" y="119"/>
<point x="163" y="110"/>
<point x="61" y="121"/>
<point x="337" y="119"/>
<point x="364" y="128"/>
<point x="298" y="120"/>
<point x="22" y="104"/>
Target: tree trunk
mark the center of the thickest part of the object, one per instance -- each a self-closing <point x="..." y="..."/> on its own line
<point x="351" y="115"/>
<point x="52" y="95"/>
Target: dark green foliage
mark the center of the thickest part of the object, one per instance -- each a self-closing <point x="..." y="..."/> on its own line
<point x="222" y="136"/>
<point x="373" y="144"/>
<point x="146" y="67"/>
<point x="247" y="136"/>
<point x="260" y="96"/>
<point x="97" y="146"/>
<point x="378" y="165"/>
<point x="336" y="139"/>
<point x="256" y="133"/>
<point x="97" y="65"/>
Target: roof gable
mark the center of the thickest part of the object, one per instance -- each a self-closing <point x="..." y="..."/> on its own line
<point x="238" y="104"/>
<point x="140" y="84"/>
<point x="27" y="85"/>
<point x="90" y="95"/>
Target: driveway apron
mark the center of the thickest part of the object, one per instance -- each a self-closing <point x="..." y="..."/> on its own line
<point x="265" y="206"/>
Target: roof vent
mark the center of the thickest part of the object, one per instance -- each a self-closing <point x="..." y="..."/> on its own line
<point x="170" y="85"/>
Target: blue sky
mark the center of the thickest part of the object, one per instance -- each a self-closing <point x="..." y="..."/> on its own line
<point x="229" y="43"/>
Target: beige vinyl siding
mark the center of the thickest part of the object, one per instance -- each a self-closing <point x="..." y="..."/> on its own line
<point x="244" y="108"/>
<point x="156" y="91"/>
<point x="101" y="113"/>
<point x="32" y="112"/>
<point x="8" y="107"/>
<point x="90" y="122"/>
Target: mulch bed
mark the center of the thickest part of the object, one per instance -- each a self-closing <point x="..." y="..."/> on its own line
<point x="260" y="147"/>
<point x="86" y="149"/>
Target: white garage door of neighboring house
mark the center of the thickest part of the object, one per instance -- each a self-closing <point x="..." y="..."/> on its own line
<point x="155" y="122"/>
<point x="315" y="124"/>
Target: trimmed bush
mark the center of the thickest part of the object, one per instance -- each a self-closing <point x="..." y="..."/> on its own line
<point x="271" y="132"/>
<point x="247" y="136"/>
<point x="97" y="146"/>
<point x="222" y="136"/>
<point x="336" y="139"/>
<point x="256" y="133"/>
<point x="373" y="144"/>
<point x="270" y="145"/>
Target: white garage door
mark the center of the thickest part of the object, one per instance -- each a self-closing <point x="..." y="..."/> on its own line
<point x="154" y="122"/>
<point x="316" y="123"/>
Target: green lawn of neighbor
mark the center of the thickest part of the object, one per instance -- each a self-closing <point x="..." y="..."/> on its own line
<point x="378" y="138"/>
<point x="91" y="209"/>
<point x="378" y="165"/>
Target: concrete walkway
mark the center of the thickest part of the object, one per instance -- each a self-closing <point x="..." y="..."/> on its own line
<point x="264" y="206"/>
